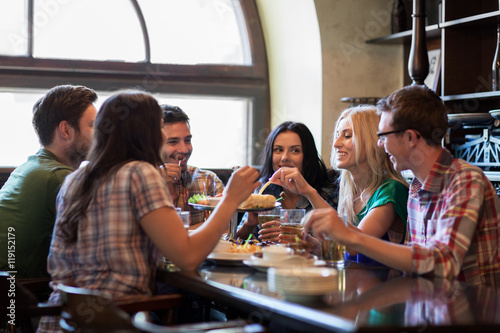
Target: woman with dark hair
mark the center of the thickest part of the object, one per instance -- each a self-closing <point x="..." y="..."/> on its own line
<point x="115" y="216"/>
<point x="291" y="145"/>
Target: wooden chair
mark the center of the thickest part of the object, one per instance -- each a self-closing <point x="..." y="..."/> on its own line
<point x="143" y="322"/>
<point x="89" y="311"/>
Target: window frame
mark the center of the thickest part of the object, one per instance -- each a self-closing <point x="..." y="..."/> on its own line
<point x="247" y="81"/>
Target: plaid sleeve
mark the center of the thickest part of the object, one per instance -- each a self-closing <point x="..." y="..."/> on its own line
<point x="450" y="225"/>
<point x="148" y="190"/>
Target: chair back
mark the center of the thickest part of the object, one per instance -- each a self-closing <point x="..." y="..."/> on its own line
<point x="26" y="305"/>
<point x="143" y="322"/>
<point x="86" y="310"/>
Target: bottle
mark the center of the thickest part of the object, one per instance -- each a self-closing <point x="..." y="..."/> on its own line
<point x="496" y="64"/>
<point x="398" y="16"/>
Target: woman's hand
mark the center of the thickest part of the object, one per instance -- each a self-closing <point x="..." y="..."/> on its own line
<point x="325" y="222"/>
<point x="291" y="179"/>
<point x="270" y="231"/>
<point x="241" y="184"/>
<point x="313" y="245"/>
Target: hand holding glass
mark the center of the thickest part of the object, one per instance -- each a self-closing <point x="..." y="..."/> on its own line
<point x="291" y="228"/>
<point x="333" y="253"/>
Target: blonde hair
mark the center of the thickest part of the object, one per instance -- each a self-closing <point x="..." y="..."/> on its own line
<point x="364" y="122"/>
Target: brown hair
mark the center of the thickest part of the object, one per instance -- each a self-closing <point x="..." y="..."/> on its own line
<point x="127" y="128"/>
<point x="61" y="103"/>
<point x="419" y="108"/>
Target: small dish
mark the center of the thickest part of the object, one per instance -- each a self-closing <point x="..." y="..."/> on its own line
<point x="303" y="280"/>
<point x="214" y="201"/>
<point x="276" y="252"/>
<point x="495" y="113"/>
<point x="292" y="261"/>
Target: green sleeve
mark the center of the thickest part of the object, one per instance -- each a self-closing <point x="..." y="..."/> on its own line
<point x="390" y="191"/>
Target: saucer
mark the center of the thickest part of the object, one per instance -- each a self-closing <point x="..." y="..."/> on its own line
<point x="303" y="281"/>
<point x="262" y="264"/>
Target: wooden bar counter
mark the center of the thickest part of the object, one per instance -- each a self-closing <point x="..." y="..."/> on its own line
<point x="368" y="299"/>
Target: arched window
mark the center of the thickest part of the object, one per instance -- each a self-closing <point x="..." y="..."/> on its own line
<point x="208" y="57"/>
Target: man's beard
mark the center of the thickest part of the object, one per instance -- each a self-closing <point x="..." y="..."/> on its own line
<point x="77" y="152"/>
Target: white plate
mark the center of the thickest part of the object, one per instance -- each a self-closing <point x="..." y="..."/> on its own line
<point x="208" y="207"/>
<point x="262" y="265"/>
<point x="229" y="256"/>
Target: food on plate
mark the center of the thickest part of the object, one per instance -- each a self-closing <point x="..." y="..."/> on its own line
<point x="202" y="199"/>
<point x="258" y="201"/>
<point x="245" y="248"/>
<point x="199" y="199"/>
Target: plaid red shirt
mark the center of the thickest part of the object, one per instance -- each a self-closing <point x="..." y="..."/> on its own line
<point x="196" y="181"/>
<point x="453" y="221"/>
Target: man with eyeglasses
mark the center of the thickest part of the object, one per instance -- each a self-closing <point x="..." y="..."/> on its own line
<point x="453" y="209"/>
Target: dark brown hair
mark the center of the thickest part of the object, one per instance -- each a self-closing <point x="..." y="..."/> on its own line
<point x="127" y="128"/>
<point x="313" y="168"/>
<point x="61" y="103"/>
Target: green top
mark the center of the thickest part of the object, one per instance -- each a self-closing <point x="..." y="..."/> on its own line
<point x="28" y="205"/>
<point x="391" y="191"/>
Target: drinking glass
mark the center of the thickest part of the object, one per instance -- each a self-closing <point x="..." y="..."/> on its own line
<point x="268" y="216"/>
<point x="291" y="228"/>
<point x="332" y="252"/>
<point x="186" y="218"/>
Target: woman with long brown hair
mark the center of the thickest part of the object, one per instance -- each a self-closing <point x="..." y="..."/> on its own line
<point x="116" y="216"/>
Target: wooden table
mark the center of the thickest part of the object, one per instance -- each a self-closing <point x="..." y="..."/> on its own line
<point x="368" y="299"/>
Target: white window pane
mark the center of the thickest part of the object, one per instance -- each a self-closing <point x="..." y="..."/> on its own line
<point x="13" y="28"/>
<point x="196" y="32"/>
<point x="18" y="139"/>
<point x="87" y="30"/>
<point x="219" y="127"/>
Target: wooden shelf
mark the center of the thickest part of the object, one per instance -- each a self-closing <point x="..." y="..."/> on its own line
<point x="478" y="96"/>
<point x="432" y="31"/>
<point x="481" y="19"/>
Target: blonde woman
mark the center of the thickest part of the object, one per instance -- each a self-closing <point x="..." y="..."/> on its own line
<point x="372" y="194"/>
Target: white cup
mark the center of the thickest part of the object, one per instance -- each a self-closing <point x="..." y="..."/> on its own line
<point x="275" y="252"/>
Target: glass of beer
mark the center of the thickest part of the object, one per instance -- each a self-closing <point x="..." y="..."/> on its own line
<point x="332" y="252"/>
<point x="268" y="216"/>
<point x="291" y="228"/>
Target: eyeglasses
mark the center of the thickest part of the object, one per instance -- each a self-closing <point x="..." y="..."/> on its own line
<point x="382" y="136"/>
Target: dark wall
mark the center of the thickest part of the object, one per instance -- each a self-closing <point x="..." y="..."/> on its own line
<point x="4" y="174"/>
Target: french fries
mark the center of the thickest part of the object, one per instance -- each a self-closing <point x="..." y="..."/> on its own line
<point x="248" y="248"/>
